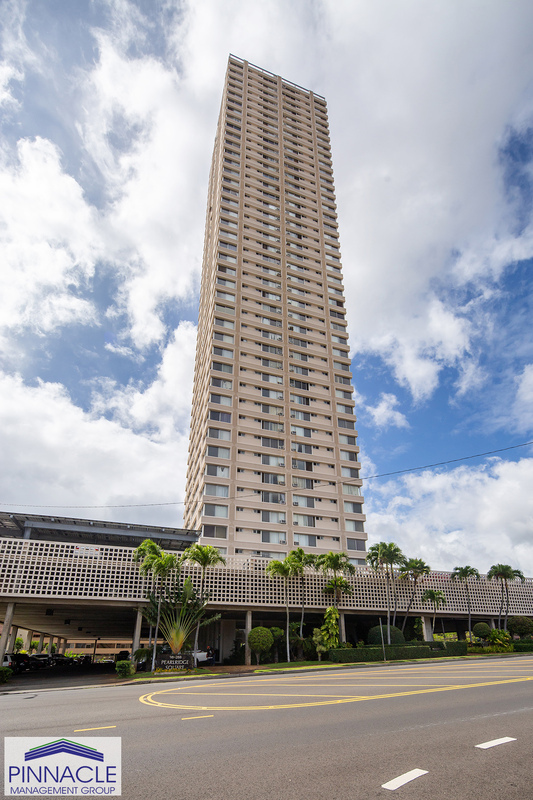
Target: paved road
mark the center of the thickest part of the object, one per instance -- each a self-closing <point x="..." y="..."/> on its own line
<point x="337" y="734"/>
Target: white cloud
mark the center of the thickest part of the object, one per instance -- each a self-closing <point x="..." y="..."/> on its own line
<point x="476" y="515"/>
<point x="385" y="414"/>
<point x="523" y="405"/>
<point x="59" y="456"/>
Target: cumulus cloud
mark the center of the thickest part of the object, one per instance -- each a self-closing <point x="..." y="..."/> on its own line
<point x="385" y="414"/>
<point x="449" y="519"/>
<point x="523" y="404"/>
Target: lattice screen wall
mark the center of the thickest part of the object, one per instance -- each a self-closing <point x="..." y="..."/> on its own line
<point x="49" y="569"/>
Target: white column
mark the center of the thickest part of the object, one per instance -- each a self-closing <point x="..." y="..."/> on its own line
<point x="41" y="643"/>
<point x="342" y="626"/>
<point x="8" y="620"/>
<point x="63" y="646"/>
<point x="427" y="628"/>
<point x="247" y="629"/>
<point x="27" y="643"/>
<point x="11" y="643"/>
<point x="136" y="643"/>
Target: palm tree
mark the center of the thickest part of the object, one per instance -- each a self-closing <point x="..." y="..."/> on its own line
<point x="283" y="569"/>
<point x="437" y="599"/>
<point x="383" y="557"/>
<point x="300" y="560"/>
<point x="339" y="564"/>
<point x="414" y="569"/>
<point x="160" y="565"/>
<point x="205" y="555"/>
<point x="463" y="574"/>
<point x="504" y="573"/>
<point x="146" y="548"/>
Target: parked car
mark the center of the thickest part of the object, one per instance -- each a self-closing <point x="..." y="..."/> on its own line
<point x="39" y="661"/>
<point x="20" y="662"/>
<point x="123" y="655"/>
<point x="60" y="660"/>
<point x="8" y="662"/>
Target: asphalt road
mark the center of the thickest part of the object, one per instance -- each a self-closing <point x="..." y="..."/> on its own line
<point x="329" y="735"/>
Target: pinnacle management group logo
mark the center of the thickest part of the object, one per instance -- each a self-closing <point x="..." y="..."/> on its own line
<point x="88" y="766"/>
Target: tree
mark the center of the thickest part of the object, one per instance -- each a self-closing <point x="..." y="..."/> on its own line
<point x="300" y="560"/>
<point x="337" y="586"/>
<point x="19" y="642"/>
<point x="463" y="574"/>
<point x="340" y="565"/>
<point x="277" y="635"/>
<point x="182" y="609"/>
<point x="437" y="599"/>
<point x="205" y="555"/>
<point x="160" y="565"/>
<point x="283" y="569"/>
<point x="383" y="557"/>
<point x="260" y="640"/>
<point x="413" y="569"/>
<point x="520" y="626"/>
<point x="330" y="628"/>
<point x="504" y="573"/>
<point x="147" y="547"/>
<point x="319" y="642"/>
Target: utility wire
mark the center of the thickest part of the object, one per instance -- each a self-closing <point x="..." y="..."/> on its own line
<point x="347" y="482"/>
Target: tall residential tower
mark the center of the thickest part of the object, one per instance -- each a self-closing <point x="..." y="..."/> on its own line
<point x="273" y="459"/>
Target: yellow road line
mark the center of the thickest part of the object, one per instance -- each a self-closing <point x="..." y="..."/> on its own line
<point x="148" y="699"/>
<point x="101" y="728"/>
<point x="203" y="716"/>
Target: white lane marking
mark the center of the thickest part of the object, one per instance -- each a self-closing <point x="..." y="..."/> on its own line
<point x="405" y="778"/>
<point x="494" y="742"/>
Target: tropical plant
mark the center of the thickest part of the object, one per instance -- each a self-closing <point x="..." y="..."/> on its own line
<point x="464" y="574"/>
<point x="374" y="635"/>
<point x="383" y="557"/>
<point x="481" y="630"/>
<point x="504" y="573"/>
<point x="147" y="547"/>
<point x="520" y="626"/>
<point x="205" y="555"/>
<point x="319" y="642"/>
<point x="337" y="587"/>
<point x="124" y="669"/>
<point x="277" y="635"/>
<point x="300" y="560"/>
<point x="338" y="565"/>
<point x="260" y="640"/>
<point x="181" y="611"/>
<point x="19" y="643"/>
<point x="330" y="628"/>
<point x="413" y="569"/>
<point x="160" y="565"/>
<point x="286" y="570"/>
<point x="500" y="640"/>
<point x="437" y="599"/>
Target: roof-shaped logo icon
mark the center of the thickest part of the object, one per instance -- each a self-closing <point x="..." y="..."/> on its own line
<point x="63" y="746"/>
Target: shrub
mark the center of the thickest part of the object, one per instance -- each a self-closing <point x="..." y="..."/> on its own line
<point x="374" y="635"/>
<point x="523" y="647"/>
<point x="456" y="648"/>
<point x="481" y="630"/>
<point x="124" y="669"/>
<point x="393" y="653"/>
<point x="520" y="626"/>
<point x="500" y="639"/>
<point x="5" y="674"/>
<point x="260" y="640"/>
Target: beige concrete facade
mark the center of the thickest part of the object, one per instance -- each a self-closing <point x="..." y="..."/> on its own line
<point x="273" y="457"/>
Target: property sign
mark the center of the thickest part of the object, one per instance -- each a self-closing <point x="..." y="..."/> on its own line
<point x="173" y="661"/>
<point x="37" y="765"/>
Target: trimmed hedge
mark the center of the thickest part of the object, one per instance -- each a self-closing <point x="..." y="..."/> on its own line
<point x="5" y="674"/>
<point x="523" y="647"/>
<point x="395" y="652"/>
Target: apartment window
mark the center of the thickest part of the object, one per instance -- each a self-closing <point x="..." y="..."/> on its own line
<point x="297" y="430"/>
<point x="351" y="488"/>
<point x="224" y="337"/>
<point x="349" y="472"/>
<point x="279" y="444"/>
<point x="352" y="508"/>
<point x="272" y="477"/>
<point x="343" y="409"/>
<point x="215" y="531"/>
<point x="302" y="483"/>
<point x="219" y="416"/>
<point x="216" y="490"/>
<point x="355" y="544"/>
<point x="305" y="520"/>
<point x="267" y="425"/>
<point x="220" y="399"/>
<point x="225" y="323"/>
<point x="275" y="517"/>
<point x="212" y="510"/>
<point x="272" y="461"/>
<point x="222" y="383"/>
<point x="303" y="415"/>
<point x="304" y="540"/>
<point x="218" y="366"/>
<point x="219" y="433"/>
<point x="218" y="452"/>
<point x="295" y="384"/>
<point x="348" y="455"/>
<point x="217" y="471"/>
<point x="274" y="537"/>
<point x="303" y="501"/>
<point x="222" y="351"/>
<point x="344" y="439"/>
<point x="296" y="398"/>
<point x="272" y="394"/>
<point x="354" y="525"/>
<point x="273" y="497"/>
<point x="297" y="463"/>
<point x="272" y="378"/>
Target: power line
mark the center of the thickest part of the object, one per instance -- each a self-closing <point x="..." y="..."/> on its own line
<point x="343" y="483"/>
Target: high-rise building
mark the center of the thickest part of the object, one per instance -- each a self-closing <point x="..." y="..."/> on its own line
<point x="273" y="457"/>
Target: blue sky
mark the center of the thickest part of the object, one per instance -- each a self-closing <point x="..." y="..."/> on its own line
<point x="108" y="117"/>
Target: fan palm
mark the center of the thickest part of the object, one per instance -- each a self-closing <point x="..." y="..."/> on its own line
<point x="414" y="569"/>
<point x="284" y="569"/>
<point x="205" y="555"/>
<point x="504" y="573"/>
<point x="437" y="599"/>
<point x="463" y="574"/>
<point x="383" y="557"/>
